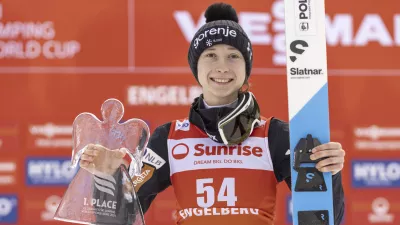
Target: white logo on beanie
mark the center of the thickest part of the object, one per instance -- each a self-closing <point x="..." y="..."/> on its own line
<point x="249" y="50"/>
<point x="214" y="31"/>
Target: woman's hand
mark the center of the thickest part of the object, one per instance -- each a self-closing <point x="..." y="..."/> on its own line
<point x="335" y="157"/>
<point x="97" y="158"/>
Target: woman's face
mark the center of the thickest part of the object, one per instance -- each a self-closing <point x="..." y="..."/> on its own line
<point x="221" y="72"/>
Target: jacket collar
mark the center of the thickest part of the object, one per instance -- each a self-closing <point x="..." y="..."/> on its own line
<point x="207" y="118"/>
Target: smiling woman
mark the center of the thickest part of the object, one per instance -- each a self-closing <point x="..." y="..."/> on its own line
<point x="224" y="160"/>
<point x="221" y="73"/>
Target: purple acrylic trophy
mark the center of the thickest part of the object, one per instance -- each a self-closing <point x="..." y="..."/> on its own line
<point x="104" y="194"/>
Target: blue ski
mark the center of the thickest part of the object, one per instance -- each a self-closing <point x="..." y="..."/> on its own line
<point x="307" y="80"/>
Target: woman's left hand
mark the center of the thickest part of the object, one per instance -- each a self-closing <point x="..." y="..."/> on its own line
<point x="335" y="157"/>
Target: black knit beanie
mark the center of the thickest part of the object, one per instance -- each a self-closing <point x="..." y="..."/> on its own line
<point x="222" y="27"/>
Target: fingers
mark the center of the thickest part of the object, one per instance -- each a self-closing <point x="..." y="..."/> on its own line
<point x="329" y="161"/>
<point x="86" y="164"/>
<point x="332" y="155"/>
<point x="330" y="145"/>
<point x="328" y="153"/>
<point x="332" y="168"/>
<point x="91" y="152"/>
<point x="83" y="163"/>
<point x="95" y="147"/>
<point x="88" y="158"/>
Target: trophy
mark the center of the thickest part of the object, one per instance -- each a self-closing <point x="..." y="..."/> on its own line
<point x="104" y="194"/>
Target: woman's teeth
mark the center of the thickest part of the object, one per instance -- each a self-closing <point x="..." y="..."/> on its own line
<point x="219" y="80"/>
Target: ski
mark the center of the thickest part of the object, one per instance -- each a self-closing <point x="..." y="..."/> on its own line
<point x="307" y="82"/>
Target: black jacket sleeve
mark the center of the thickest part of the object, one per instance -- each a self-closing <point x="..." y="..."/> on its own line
<point x="159" y="178"/>
<point x="279" y="144"/>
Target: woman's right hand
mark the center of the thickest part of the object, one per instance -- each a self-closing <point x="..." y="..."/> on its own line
<point x="97" y="158"/>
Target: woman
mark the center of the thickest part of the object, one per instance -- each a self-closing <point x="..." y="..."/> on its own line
<point x="225" y="160"/>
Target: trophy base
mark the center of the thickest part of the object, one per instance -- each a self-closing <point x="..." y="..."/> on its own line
<point x="73" y="221"/>
<point x="139" y="221"/>
<point x="101" y="200"/>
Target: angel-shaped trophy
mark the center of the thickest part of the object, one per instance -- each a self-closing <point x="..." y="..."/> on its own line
<point x="103" y="193"/>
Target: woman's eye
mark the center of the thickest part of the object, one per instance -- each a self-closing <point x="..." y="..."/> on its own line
<point x="234" y="56"/>
<point x="211" y="55"/>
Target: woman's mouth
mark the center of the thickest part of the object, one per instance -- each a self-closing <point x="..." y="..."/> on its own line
<point x="221" y="80"/>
